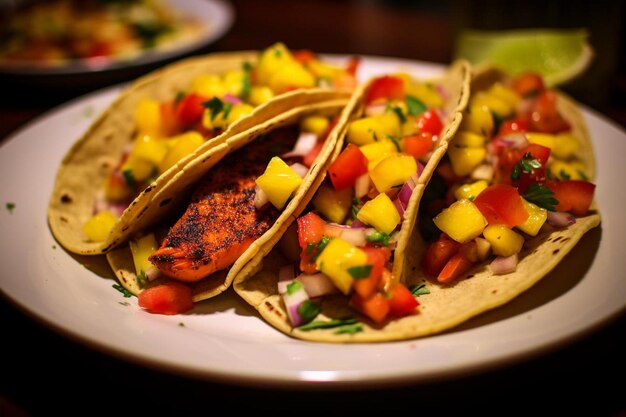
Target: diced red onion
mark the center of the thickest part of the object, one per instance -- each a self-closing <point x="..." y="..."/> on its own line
<point x="356" y="236"/>
<point x="260" y="198"/>
<point x="317" y="285"/>
<point x="399" y="207"/>
<point x="504" y="264"/>
<point x="152" y="273"/>
<point x="293" y="302"/>
<point x="405" y="194"/>
<point x="362" y="185"/>
<point x="303" y="146"/>
<point x="231" y="98"/>
<point x="358" y="224"/>
<point x="442" y="91"/>
<point x="483" y="172"/>
<point x="375" y="109"/>
<point x="483" y="247"/>
<point x="300" y="169"/>
<point x="560" y="219"/>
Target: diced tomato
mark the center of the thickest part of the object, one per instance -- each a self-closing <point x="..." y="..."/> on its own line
<point x="544" y="116"/>
<point x="310" y="233"/>
<point x="349" y="165"/>
<point x="508" y="158"/>
<point x="99" y="49"/>
<point x="418" y="145"/>
<point x="429" y="122"/>
<point x="304" y="55"/>
<point x="169" y="119"/>
<point x="169" y="298"/>
<point x="455" y="267"/>
<point x="401" y="300"/>
<point x="377" y="257"/>
<point x="376" y="306"/>
<point x="353" y="65"/>
<point x="501" y="203"/>
<point x="190" y="109"/>
<point x="528" y="84"/>
<point x="513" y="126"/>
<point x="574" y="196"/>
<point x="438" y="254"/>
<point x="387" y="87"/>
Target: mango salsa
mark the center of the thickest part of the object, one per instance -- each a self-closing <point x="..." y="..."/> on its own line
<point x="373" y="128"/>
<point x="279" y="181"/>
<point x="336" y="260"/>
<point x="537" y="216"/>
<point x="141" y="248"/>
<point x="462" y="221"/>
<point x="381" y="213"/>
<point x="333" y="205"/>
<point x="393" y="171"/>
<point x="504" y="241"/>
<point x="97" y="228"/>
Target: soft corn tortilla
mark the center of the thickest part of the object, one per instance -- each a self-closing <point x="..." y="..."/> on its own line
<point x="176" y="192"/>
<point x="257" y="282"/>
<point x="89" y="161"/>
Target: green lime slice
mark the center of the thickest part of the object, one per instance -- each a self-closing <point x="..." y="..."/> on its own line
<point x="559" y="55"/>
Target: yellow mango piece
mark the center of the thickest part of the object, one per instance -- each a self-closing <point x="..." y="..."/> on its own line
<point x="425" y="92"/>
<point x="337" y="258"/>
<point x="315" y="124"/>
<point x="279" y="182"/>
<point x="238" y="111"/>
<point x="260" y="95"/>
<point x="183" y="146"/>
<point x="464" y="160"/>
<point x="233" y="82"/>
<point x="207" y="85"/>
<point x="373" y="128"/>
<point x="148" y="117"/>
<point x="565" y="146"/>
<point x="380" y="213"/>
<point x="462" y="221"/>
<point x="504" y="93"/>
<point x="543" y="139"/>
<point x="536" y="218"/>
<point x="141" y="248"/>
<point x="333" y="205"/>
<point x="149" y="148"/>
<point x="493" y="103"/>
<point x="470" y="191"/>
<point x="291" y="75"/>
<point x="97" y="228"/>
<point x="271" y="60"/>
<point x="140" y="169"/>
<point x="477" y="119"/>
<point x="393" y="171"/>
<point x="377" y="151"/>
<point x="574" y="170"/>
<point x="116" y="188"/>
<point x="468" y="139"/>
<point x="323" y="69"/>
<point x="504" y="241"/>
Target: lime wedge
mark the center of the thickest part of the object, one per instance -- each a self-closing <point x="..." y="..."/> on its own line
<point x="559" y="55"/>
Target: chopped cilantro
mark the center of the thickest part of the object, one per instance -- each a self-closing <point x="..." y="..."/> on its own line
<point x="308" y="310"/>
<point x="395" y="141"/>
<point x="227" y="108"/>
<point x="398" y="111"/>
<point x="294" y="286"/>
<point x="564" y="175"/>
<point x="542" y="196"/>
<point x="277" y="53"/>
<point x="497" y="121"/>
<point x="419" y="289"/>
<point x="414" y="106"/>
<point x="350" y="329"/>
<point x="142" y="278"/>
<point x="246" y="83"/>
<point x="10" y="206"/>
<point x="582" y="175"/>
<point x="329" y="324"/>
<point x="123" y="290"/>
<point x="179" y="96"/>
<point x="360" y="271"/>
<point x="320" y="247"/>
<point x="215" y="106"/>
<point x="525" y="165"/>
<point x="129" y="178"/>
<point x="378" y="237"/>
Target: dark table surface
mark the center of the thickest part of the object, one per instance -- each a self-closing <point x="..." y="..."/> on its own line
<point x="44" y="373"/>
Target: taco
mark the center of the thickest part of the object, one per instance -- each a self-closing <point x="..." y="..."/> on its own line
<point x="106" y="183"/>
<point x="341" y="271"/>
<point x="219" y="212"/>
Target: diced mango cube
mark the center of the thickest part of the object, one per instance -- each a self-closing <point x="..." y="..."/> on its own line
<point x="238" y="111"/>
<point x="260" y="95"/>
<point x="333" y="205"/>
<point x="291" y="75"/>
<point x="97" y="228"/>
<point x="574" y="170"/>
<point x="149" y="148"/>
<point x="426" y="92"/>
<point x="464" y="160"/>
<point x="207" y="85"/>
<point x="336" y="260"/>
<point x="148" y="117"/>
<point x="233" y="82"/>
<point x="393" y="171"/>
<point x="565" y="145"/>
<point x="271" y="60"/>
<point x="504" y="93"/>
<point x="504" y="241"/>
<point x="543" y="139"/>
<point x="468" y="140"/>
<point x="477" y="119"/>
<point x="183" y="146"/>
<point x="141" y="248"/>
<point x="380" y="213"/>
<point x="493" y="103"/>
<point x="140" y="169"/>
<point x="315" y="124"/>
<point x="536" y="218"/>
<point x="462" y="221"/>
<point x="470" y="191"/>
<point x="377" y="151"/>
<point x="373" y="128"/>
<point x="279" y="182"/>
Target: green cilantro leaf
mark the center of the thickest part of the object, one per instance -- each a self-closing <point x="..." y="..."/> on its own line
<point x="564" y="175"/>
<point x="378" y="237"/>
<point x="542" y="196"/>
<point x="414" y="106"/>
<point x="329" y="324"/>
<point x="419" y="289"/>
<point x="10" y="206"/>
<point x="123" y="290"/>
<point x="308" y="310"/>
<point x="246" y="83"/>
<point x="129" y="178"/>
<point x="350" y="329"/>
<point x="215" y="106"/>
<point x="398" y="111"/>
<point x="320" y="247"/>
<point x="396" y="141"/>
<point x="360" y="271"/>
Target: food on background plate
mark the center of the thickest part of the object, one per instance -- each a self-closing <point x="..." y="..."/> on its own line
<point x="255" y="183"/>
<point x="55" y="33"/>
<point x="109" y="180"/>
<point x="341" y="271"/>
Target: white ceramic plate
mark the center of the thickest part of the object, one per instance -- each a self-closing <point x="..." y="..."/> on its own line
<point x="223" y="338"/>
<point x="218" y="15"/>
